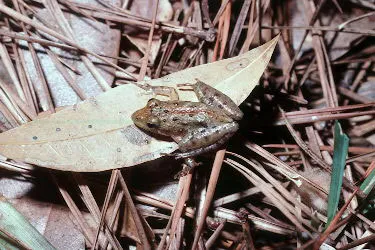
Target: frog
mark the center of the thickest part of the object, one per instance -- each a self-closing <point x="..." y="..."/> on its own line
<point x="197" y="127"/>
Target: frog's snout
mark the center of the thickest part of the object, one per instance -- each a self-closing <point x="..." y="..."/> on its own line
<point x="137" y="116"/>
<point x="144" y="120"/>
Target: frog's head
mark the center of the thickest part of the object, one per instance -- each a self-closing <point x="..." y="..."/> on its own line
<point x="144" y="119"/>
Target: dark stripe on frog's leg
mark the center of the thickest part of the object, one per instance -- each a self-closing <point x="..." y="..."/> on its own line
<point x="206" y="136"/>
<point x="217" y="99"/>
<point x="200" y="151"/>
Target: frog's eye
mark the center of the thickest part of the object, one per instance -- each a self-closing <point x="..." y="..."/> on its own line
<point x="154" y="122"/>
<point x="152" y="103"/>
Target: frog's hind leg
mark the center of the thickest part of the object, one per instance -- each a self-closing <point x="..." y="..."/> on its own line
<point x="205" y="136"/>
<point x="215" y="98"/>
<point x="200" y="151"/>
<point x="202" y="140"/>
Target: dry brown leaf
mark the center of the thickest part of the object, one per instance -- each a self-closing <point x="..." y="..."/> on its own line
<point x="142" y="44"/>
<point x="53" y="221"/>
<point x="98" y="134"/>
<point x="165" y="9"/>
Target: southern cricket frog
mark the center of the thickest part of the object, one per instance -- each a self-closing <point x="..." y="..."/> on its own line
<point x="197" y="127"/>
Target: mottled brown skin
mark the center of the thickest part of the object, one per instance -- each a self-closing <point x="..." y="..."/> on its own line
<point x="197" y="127"/>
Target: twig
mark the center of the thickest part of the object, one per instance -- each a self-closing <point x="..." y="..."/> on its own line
<point x="210" y="193"/>
<point x="214" y="236"/>
<point x="238" y="27"/>
<point x="18" y="16"/>
<point x="354" y="19"/>
<point x="137" y="221"/>
<point x="322" y="28"/>
<point x="143" y="69"/>
<point x="110" y="190"/>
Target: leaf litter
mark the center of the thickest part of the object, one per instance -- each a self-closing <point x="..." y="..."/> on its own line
<point x="321" y="72"/>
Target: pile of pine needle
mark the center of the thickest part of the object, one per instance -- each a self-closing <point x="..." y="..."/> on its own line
<point x="299" y="173"/>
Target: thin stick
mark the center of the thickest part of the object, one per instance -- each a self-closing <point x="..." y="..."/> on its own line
<point x="214" y="236"/>
<point x="137" y="221"/>
<point x="89" y="235"/>
<point x="110" y="190"/>
<point x="209" y="196"/>
<point x="8" y="11"/>
<point x="54" y="8"/>
<point x="354" y="19"/>
<point x="238" y="27"/>
<point x="354" y="150"/>
<point x="31" y="39"/>
<point x="323" y="28"/>
<point x="142" y="72"/>
<point x="178" y="209"/>
<point x="314" y="156"/>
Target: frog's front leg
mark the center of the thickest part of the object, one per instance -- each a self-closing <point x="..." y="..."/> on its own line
<point x="202" y="140"/>
<point x="160" y="90"/>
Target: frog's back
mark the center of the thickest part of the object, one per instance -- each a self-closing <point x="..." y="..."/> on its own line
<point x="178" y="117"/>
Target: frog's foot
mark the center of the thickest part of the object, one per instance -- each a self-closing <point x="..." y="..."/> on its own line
<point x="147" y="88"/>
<point x="185" y="84"/>
<point x="185" y="171"/>
<point x="168" y="154"/>
<point x="187" y="167"/>
<point x="190" y="85"/>
<point x="175" y="155"/>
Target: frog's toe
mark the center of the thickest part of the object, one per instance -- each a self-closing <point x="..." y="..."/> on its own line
<point x="168" y="154"/>
<point x="181" y="173"/>
<point x="184" y="84"/>
<point x="188" y="165"/>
